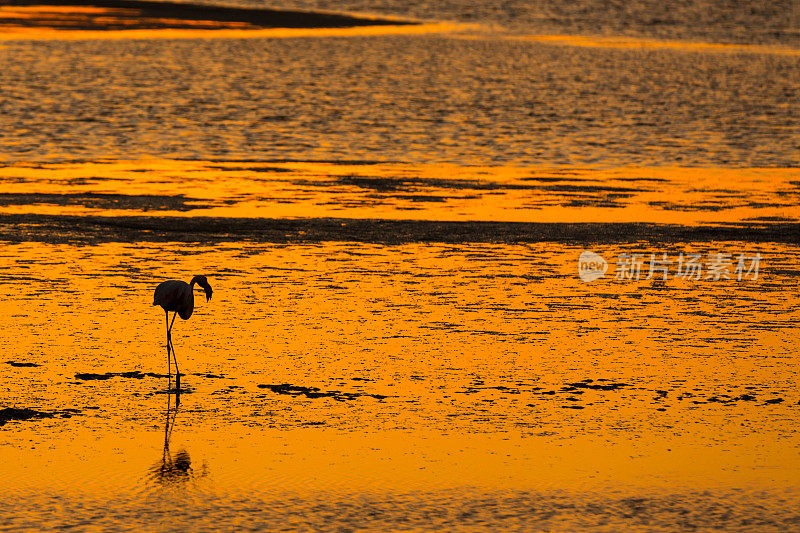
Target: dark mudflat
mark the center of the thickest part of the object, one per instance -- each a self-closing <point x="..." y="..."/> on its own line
<point x="95" y="229"/>
<point x="12" y="413"/>
<point x="144" y="202"/>
<point x="141" y="15"/>
<point x="314" y="392"/>
<point x="108" y="375"/>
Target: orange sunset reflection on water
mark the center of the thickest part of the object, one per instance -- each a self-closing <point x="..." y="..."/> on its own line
<point x="403" y="191"/>
<point x="501" y="268"/>
<point x="366" y="375"/>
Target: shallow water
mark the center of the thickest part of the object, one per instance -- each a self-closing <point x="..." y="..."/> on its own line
<point x="418" y="380"/>
<point x="455" y="374"/>
<point x="400" y="338"/>
<point x="393" y="191"/>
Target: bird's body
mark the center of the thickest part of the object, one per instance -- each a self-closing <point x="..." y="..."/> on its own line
<point x="178" y="297"/>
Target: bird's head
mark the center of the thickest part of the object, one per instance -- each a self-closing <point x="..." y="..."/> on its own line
<point x="203" y="282"/>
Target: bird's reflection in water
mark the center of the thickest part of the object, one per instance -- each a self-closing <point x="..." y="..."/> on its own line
<point x="174" y="468"/>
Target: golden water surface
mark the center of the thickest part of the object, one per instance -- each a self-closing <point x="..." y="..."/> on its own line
<point x="391" y="214"/>
<point x="332" y="384"/>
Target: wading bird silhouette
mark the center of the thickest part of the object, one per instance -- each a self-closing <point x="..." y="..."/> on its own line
<point x="178" y="297"/>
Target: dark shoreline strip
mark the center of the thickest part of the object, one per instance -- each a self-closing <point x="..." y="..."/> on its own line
<point x="148" y="13"/>
<point x="94" y="229"/>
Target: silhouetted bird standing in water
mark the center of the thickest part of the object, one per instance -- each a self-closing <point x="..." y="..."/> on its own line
<point x="178" y="296"/>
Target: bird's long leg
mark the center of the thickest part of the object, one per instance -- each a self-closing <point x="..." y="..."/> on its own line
<point x="177" y="372"/>
<point x="166" y="433"/>
<point x="169" y="362"/>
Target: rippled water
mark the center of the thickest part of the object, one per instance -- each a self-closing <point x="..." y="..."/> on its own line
<point x="744" y="21"/>
<point x="400" y="367"/>
<point x="382" y="373"/>
<point x="399" y="338"/>
<point x="489" y="98"/>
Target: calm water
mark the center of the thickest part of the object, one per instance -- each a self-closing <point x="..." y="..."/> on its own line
<point x="350" y="385"/>
<point x="399" y="338"/>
